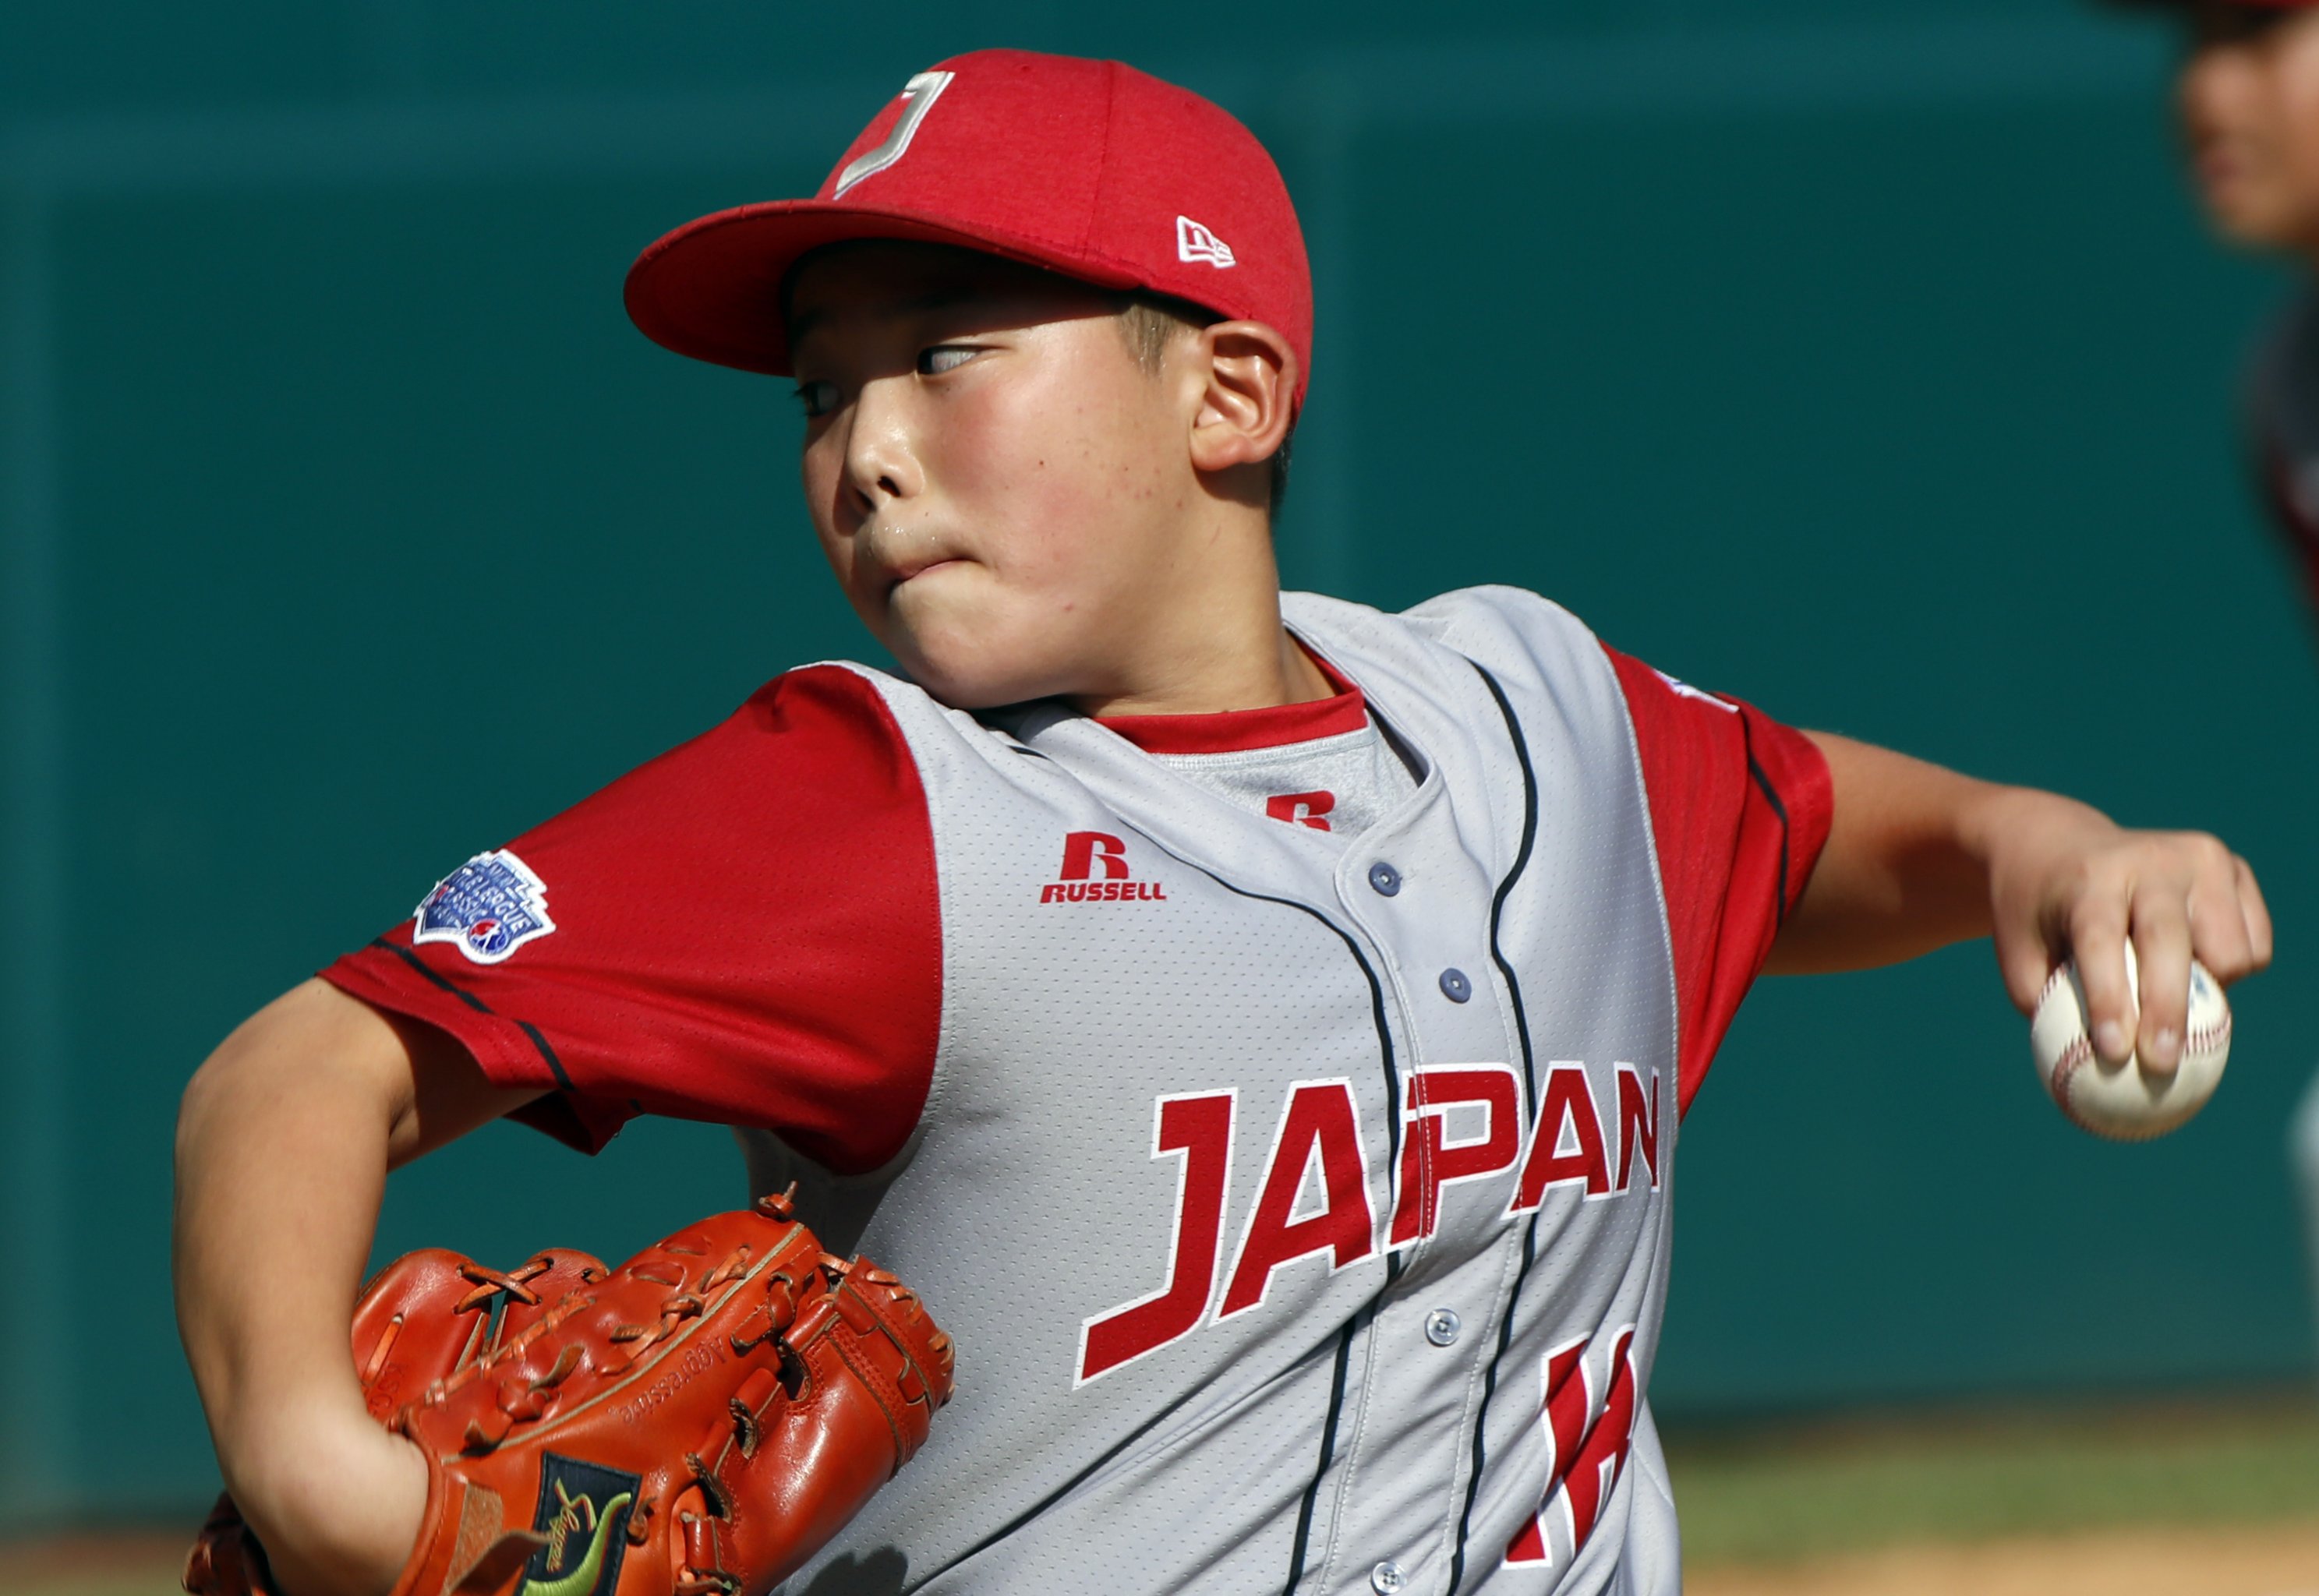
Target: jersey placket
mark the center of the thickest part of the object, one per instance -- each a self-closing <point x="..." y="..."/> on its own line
<point x="1414" y="892"/>
<point x="1409" y="894"/>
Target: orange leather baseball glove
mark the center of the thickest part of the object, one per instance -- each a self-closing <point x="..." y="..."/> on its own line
<point x="700" y="1420"/>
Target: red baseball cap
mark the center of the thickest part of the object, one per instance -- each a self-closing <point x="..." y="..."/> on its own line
<point x="1088" y="168"/>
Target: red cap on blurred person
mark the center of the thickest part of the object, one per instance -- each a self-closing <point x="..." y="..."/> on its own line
<point x="1088" y="168"/>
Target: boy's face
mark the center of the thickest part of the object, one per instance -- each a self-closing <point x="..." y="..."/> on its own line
<point x="1000" y="488"/>
<point x="2249" y="97"/>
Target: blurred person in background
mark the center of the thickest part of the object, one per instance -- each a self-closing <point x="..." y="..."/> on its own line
<point x="2247" y="97"/>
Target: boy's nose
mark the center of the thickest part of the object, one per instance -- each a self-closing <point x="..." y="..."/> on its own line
<point x="880" y="463"/>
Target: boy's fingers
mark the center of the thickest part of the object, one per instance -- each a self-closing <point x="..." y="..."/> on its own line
<point x="2219" y="936"/>
<point x="2098" y="944"/>
<point x="2026" y="964"/>
<point x="2162" y="946"/>
<point x="2257" y="912"/>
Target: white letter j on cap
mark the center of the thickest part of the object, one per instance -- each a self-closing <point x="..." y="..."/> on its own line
<point x="918" y="97"/>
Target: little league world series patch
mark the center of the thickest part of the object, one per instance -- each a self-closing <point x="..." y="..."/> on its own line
<point x="489" y="907"/>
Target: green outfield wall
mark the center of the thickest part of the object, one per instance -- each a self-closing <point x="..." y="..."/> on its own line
<point x="1863" y="359"/>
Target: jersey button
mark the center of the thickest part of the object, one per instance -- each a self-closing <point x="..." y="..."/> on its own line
<point x="1384" y="878"/>
<point x="1386" y="1579"/>
<point x="1442" y="1325"/>
<point x="1455" y="986"/>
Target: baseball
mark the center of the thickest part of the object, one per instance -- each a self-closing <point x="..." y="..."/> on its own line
<point x="2119" y="1101"/>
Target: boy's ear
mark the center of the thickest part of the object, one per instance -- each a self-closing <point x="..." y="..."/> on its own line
<point x="1244" y="413"/>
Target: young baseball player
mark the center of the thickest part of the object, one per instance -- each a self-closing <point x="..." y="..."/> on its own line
<point x="2249" y="101"/>
<point x="2248" y="95"/>
<point x="1258" y="1024"/>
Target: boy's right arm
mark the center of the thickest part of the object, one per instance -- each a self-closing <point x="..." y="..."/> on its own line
<point x="285" y="1139"/>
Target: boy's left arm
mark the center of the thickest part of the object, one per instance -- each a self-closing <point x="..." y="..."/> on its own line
<point x="1918" y="857"/>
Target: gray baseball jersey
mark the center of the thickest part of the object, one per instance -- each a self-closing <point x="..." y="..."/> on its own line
<point x="1296" y="1192"/>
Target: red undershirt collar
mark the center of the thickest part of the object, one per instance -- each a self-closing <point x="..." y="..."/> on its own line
<point x="1234" y="731"/>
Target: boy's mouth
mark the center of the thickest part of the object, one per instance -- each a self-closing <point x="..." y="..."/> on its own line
<point x="904" y="573"/>
<point x="896" y="554"/>
<point x="2221" y="159"/>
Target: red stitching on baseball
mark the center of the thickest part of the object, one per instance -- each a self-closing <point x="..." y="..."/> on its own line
<point x="2213" y="1036"/>
<point x="2079" y="1051"/>
<point x="2074" y="1058"/>
<point x="2051" y="982"/>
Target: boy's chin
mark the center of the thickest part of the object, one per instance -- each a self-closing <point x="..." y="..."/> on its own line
<point x="2256" y="220"/>
<point x="972" y="685"/>
<point x="982" y="659"/>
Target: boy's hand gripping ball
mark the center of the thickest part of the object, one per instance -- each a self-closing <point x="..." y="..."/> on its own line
<point x="697" y="1422"/>
<point x="2123" y="1102"/>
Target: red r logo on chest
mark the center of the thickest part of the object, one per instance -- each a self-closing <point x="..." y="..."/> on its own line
<point x="1083" y="849"/>
<point x="1302" y="808"/>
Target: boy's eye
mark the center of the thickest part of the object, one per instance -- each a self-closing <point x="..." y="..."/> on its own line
<point x="942" y="357"/>
<point x="817" y="398"/>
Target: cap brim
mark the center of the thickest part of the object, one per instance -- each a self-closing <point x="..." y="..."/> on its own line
<point x="712" y="288"/>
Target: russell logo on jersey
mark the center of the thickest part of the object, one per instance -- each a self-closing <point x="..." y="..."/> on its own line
<point x="1094" y="870"/>
<point x="1095" y="862"/>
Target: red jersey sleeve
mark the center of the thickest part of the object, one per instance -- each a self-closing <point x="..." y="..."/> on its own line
<point x="1740" y="806"/>
<point x="745" y="930"/>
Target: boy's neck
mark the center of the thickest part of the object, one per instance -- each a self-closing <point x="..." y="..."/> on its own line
<point x="1202" y="633"/>
<point x="1262" y="673"/>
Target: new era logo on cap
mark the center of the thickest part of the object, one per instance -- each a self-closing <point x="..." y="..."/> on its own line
<point x="1075" y="166"/>
<point x="1195" y="243"/>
